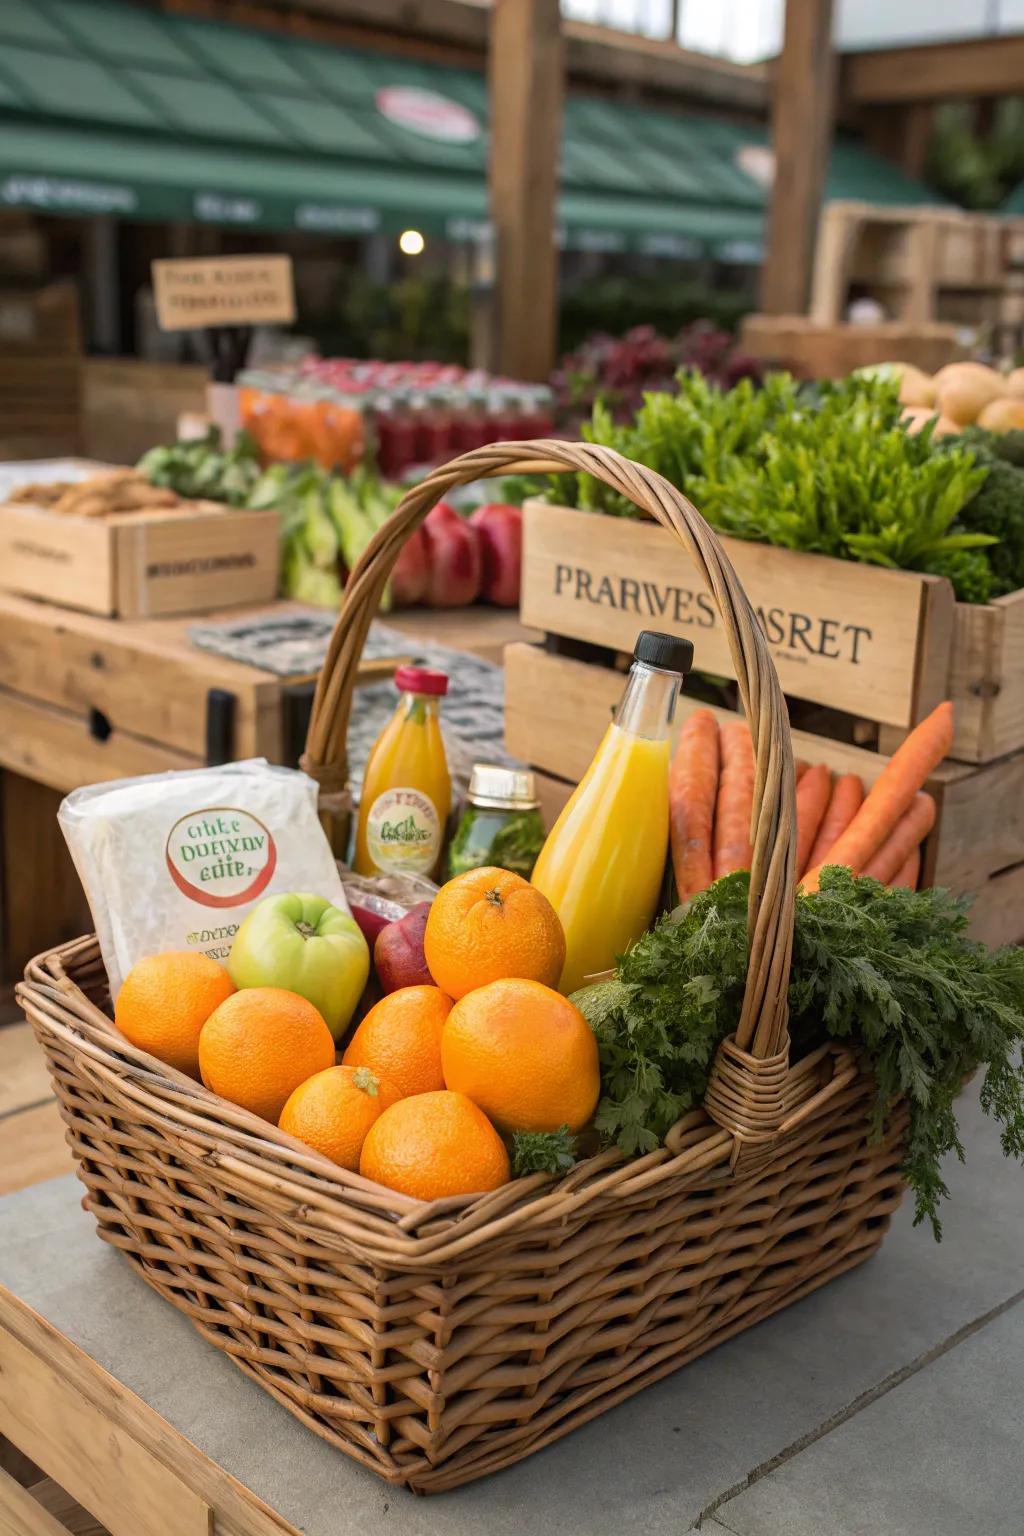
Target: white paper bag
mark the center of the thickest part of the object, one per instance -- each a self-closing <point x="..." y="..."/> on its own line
<point x="176" y="860"/>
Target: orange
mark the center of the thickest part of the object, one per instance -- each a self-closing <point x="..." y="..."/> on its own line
<point x="525" y="1054"/>
<point x="434" y="1145"/>
<point x="333" y="1110"/>
<point x="164" y="1002"/>
<point x="400" y="1040"/>
<point x="488" y="924"/>
<point x="259" y="1045"/>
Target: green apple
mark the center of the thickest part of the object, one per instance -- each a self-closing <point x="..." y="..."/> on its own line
<point x="302" y="943"/>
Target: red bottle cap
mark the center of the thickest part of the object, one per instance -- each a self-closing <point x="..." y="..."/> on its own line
<point x="421" y="680"/>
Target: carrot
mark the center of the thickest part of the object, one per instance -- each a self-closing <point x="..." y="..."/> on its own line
<point x="891" y="794"/>
<point x="847" y="794"/>
<point x="734" y="810"/>
<point x="910" y="873"/>
<point x="812" y="797"/>
<point x="692" y="789"/>
<point x="907" y="835"/>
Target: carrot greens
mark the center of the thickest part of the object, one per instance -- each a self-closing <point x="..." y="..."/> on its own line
<point x="890" y="972"/>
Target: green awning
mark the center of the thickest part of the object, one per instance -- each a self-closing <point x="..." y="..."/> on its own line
<point x="106" y="107"/>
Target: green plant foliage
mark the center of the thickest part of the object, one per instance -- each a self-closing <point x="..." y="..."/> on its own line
<point x="997" y="507"/>
<point x="892" y="973"/>
<point x="833" y="472"/>
<point x="543" y="1151"/>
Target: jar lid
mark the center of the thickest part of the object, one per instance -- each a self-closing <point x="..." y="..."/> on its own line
<point x="496" y="788"/>
<point x="669" y="652"/>
<point x="421" y="680"/>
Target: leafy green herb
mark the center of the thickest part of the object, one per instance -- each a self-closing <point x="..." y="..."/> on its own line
<point x="201" y="468"/>
<point x="659" y="1021"/>
<point x="543" y="1151"/>
<point x="890" y="972"/>
<point x="834" y="472"/>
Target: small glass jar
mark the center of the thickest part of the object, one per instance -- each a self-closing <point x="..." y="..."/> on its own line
<point x="501" y="824"/>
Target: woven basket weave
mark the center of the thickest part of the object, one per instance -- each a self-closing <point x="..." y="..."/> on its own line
<point x="436" y="1343"/>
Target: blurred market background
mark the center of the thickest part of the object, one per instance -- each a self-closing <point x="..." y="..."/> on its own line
<point x="355" y="137"/>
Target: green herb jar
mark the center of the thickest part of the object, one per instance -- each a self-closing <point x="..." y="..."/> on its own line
<point x="501" y="824"/>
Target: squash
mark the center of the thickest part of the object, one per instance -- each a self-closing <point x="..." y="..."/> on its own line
<point x="916" y="417"/>
<point x="962" y="390"/>
<point x="1003" y="415"/>
<point x="916" y="388"/>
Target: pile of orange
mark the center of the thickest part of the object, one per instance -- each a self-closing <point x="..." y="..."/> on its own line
<point x="433" y="1078"/>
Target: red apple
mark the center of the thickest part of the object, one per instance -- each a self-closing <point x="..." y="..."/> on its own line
<point x="455" y="559"/>
<point x="411" y="574"/>
<point x="501" y="533"/>
<point x="398" y="952"/>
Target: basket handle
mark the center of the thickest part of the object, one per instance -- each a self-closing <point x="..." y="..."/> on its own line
<point x="761" y="1039"/>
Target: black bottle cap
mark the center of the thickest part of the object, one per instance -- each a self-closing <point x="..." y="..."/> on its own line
<point x="669" y="652"/>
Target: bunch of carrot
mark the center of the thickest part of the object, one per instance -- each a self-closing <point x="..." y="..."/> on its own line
<point x="711" y="797"/>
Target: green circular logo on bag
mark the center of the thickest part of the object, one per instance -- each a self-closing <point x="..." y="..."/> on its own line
<point x="221" y="857"/>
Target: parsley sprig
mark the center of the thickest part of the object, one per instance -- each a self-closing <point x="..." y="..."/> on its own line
<point x="892" y="973"/>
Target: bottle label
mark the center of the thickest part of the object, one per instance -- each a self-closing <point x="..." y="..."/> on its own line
<point x="403" y="832"/>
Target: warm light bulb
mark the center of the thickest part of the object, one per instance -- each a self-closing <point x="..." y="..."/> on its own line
<point x="411" y="242"/>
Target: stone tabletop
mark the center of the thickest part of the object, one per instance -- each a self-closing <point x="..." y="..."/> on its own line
<point x="886" y="1404"/>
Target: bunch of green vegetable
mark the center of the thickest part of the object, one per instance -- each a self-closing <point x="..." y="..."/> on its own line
<point x="327" y="522"/>
<point x="997" y="507"/>
<point x="833" y="472"/>
<point x="890" y="972"/>
<point x="202" y="468"/>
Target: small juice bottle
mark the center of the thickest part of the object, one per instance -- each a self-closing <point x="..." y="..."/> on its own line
<point x="604" y="859"/>
<point x="406" y="788"/>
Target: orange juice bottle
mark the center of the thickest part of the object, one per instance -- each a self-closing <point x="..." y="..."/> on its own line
<point x="406" y="788"/>
<point x="604" y="859"/>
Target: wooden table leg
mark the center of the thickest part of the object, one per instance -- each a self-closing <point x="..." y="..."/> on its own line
<point x="41" y="900"/>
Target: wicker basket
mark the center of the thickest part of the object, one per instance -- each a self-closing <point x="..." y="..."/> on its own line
<point x="436" y="1343"/>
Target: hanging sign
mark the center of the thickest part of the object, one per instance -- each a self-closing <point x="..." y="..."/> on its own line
<point x="428" y="113"/>
<point x="223" y="290"/>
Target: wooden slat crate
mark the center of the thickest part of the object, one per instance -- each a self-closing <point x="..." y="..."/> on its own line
<point x="557" y="709"/>
<point x="884" y="646"/>
<point x="184" y="559"/>
<point x="40" y="372"/>
<point x="923" y="264"/>
<point x="129" y="405"/>
<point x="813" y="350"/>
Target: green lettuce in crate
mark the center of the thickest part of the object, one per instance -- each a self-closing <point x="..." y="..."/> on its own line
<point x="831" y="470"/>
<point x="889" y="972"/>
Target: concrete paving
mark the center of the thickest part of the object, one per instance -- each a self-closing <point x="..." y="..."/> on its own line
<point x="941" y="1452"/>
<point x="898" y="1380"/>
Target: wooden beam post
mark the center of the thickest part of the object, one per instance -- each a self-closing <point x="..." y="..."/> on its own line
<point x="525" y="70"/>
<point x="802" y="117"/>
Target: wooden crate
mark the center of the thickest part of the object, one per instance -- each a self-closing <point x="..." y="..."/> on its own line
<point x="812" y="350"/>
<point x="884" y="646"/>
<point x="923" y="264"/>
<point x="141" y="564"/>
<point x="557" y="709"/>
<point x="40" y="372"/>
<point x="129" y="405"/>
